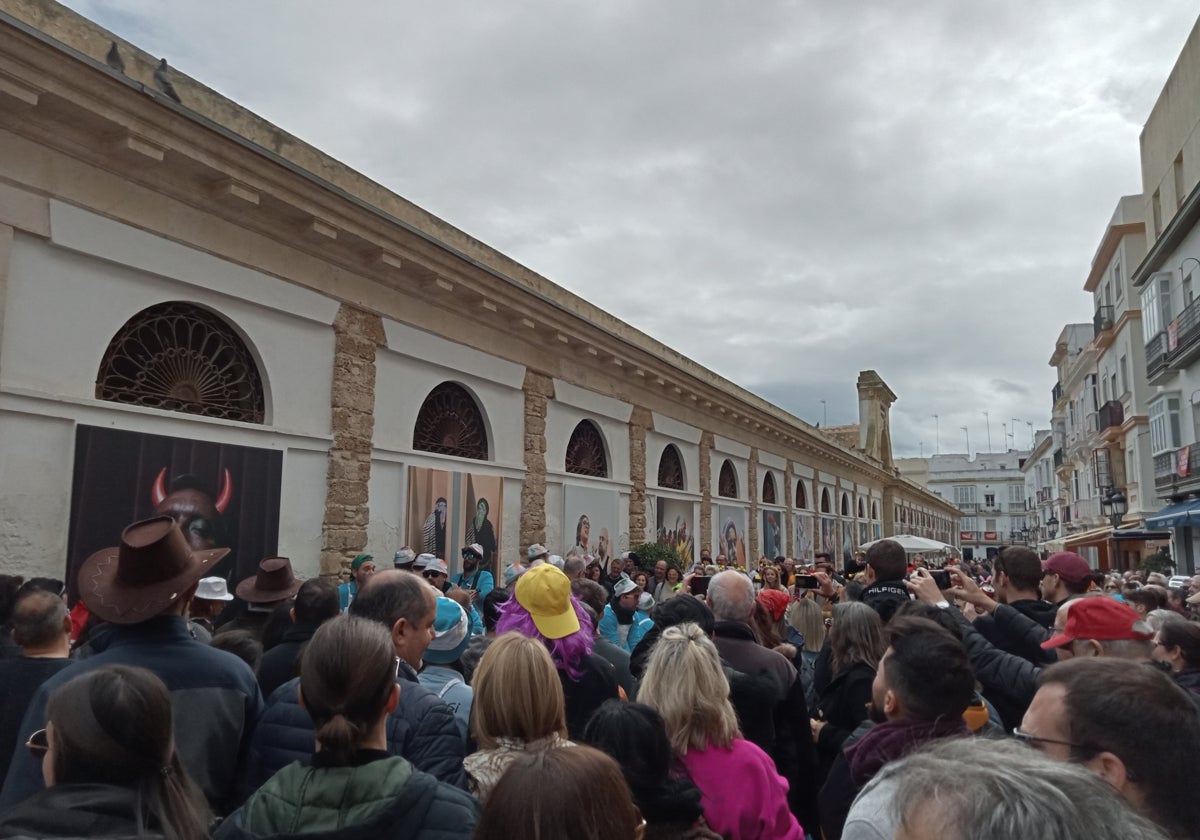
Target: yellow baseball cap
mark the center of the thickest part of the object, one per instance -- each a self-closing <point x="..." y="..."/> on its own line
<point x="545" y="592"/>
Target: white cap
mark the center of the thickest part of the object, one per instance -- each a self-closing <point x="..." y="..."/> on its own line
<point x="555" y="560"/>
<point x="422" y="561"/>
<point x="213" y="589"/>
<point x="624" y="586"/>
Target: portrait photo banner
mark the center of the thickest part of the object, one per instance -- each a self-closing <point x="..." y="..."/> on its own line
<point x="591" y="525"/>
<point x="223" y="495"/>
<point x="450" y="510"/>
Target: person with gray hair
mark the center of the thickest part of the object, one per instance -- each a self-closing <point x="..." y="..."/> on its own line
<point x="732" y="600"/>
<point x="42" y="628"/>
<point x="946" y="791"/>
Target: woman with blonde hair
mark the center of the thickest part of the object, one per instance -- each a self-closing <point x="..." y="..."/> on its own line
<point x="518" y="709"/>
<point x="856" y="645"/>
<point x="806" y="621"/>
<point x="770" y="579"/>
<point x="743" y="796"/>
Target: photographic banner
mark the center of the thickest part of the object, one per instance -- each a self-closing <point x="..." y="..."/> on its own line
<point x="675" y="527"/>
<point x="731" y="539"/>
<point x="804" y="538"/>
<point x="772" y="535"/>
<point x="222" y="495"/>
<point x="591" y="524"/>
<point x="450" y="510"/>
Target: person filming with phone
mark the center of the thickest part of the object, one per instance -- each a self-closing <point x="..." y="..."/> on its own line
<point x="821" y="587"/>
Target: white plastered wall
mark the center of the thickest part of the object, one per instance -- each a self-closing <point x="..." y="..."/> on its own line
<point x="67" y="297"/>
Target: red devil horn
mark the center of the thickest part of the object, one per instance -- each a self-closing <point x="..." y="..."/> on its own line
<point x="226" y="492"/>
<point x="159" y="491"/>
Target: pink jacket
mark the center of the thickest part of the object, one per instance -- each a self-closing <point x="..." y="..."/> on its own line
<point x="743" y="797"/>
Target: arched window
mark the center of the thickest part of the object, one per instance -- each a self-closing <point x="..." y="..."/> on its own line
<point x="670" y="469"/>
<point x="845" y="505"/>
<point x="826" y="503"/>
<point x="450" y="423"/>
<point x="768" y="490"/>
<point x="862" y="509"/>
<point x="801" y="495"/>
<point x="727" y="484"/>
<point x="181" y="357"/>
<point x="585" y="451"/>
<point x="875" y="510"/>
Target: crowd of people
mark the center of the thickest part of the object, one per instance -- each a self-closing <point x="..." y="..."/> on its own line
<point x="1019" y="697"/>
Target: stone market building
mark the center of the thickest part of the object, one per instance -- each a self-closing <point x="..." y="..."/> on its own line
<point x="194" y="301"/>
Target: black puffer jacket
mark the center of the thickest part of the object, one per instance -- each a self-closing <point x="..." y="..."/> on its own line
<point x="81" y="810"/>
<point x="1020" y="638"/>
<point x="421" y="729"/>
<point x="1009" y="682"/>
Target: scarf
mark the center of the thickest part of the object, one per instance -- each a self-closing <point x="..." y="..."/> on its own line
<point x="895" y="739"/>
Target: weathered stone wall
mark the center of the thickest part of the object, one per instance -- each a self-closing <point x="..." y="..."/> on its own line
<point x="640" y="421"/>
<point x="789" y="525"/>
<point x="752" y="480"/>
<point x="539" y="389"/>
<point x="357" y="335"/>
<point x="704" y="543"/>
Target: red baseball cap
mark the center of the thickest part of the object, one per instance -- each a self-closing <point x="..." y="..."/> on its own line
<point x="1100" y="617"/>
<point x="1067" y="565"/>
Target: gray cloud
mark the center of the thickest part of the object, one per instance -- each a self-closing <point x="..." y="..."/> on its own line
<point x="787" y="193"/>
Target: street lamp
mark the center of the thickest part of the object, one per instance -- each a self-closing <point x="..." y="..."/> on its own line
<point x="1116" y="506"/>
<point x="1052" y="526"/>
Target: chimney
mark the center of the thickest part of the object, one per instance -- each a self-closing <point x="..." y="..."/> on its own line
<point x="875" y="400"/>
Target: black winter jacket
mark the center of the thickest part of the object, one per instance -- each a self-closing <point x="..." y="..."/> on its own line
<point x="79" y="810"/>
<point x="422" y="729"/>
<point x="1009" y="682"/>
<point x="844" y="707"/>
<point x="1020" y="640"/>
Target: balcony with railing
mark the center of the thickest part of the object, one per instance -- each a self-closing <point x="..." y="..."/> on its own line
<point x="1178" y="344"/>
<point x="1086" y="508"/>
<point x="1103" y="320"/>
<point x="1056" y="393"/>
<point x="967" y="507"/>
<point x="1178" y="471"/>
<point x="1156" y="354"/>
<point x="1111" y="414"/>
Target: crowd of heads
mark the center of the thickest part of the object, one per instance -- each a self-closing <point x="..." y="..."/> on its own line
<point x="1091" y="704"/>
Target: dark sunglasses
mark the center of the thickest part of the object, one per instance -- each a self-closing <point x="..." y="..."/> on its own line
<point x="38" y="743"/>
<point x="470" y="554"/>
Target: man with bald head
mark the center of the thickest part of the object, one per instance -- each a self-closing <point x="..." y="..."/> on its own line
<point x="422" y="728"/>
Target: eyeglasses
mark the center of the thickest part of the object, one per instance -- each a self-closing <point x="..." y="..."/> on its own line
<point x="1033" y="740"/>
<point x="38" y="743"/>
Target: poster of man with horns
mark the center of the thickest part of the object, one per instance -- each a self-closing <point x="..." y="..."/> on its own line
<point x="222" y="495"/>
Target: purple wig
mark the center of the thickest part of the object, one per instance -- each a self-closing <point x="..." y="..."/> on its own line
<point x="568" y="652"/>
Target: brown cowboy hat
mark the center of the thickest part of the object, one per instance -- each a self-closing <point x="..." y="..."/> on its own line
<point x="275" y="581"/>
<point x="150" y="570"/>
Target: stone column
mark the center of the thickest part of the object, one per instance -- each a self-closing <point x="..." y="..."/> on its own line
<point x="539" y="389"/>
<point x="752" y="480"/>
<point x="789" y="489"/>
<point x="357" y="334"/>
<point x="640" y="421"/>
<point x="705" y="537"/>
<point x="6" y="243"/>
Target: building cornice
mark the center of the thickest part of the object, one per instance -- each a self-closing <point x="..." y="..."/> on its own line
<point x="357" y="241"/>
<point x="1108" y="249"/>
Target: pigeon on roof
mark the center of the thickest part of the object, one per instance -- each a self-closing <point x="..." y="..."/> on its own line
<point x="164" y="82"/>
<point x="114" y="58"/>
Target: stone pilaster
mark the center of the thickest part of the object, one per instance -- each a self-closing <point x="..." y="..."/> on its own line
<point x="357" y="334"/>
<point x="640" y="421"/>
<point x="789" y="489"/>
<point x="752" y="480"/>
<point x="6" y="243"/>
<point x="539" y="390"/>
<point x="704" y="543"/>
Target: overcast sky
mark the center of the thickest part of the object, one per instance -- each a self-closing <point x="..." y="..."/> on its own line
<point x="786" y="192"/>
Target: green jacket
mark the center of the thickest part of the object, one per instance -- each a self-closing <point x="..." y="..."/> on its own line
<point x="387" y="797"/>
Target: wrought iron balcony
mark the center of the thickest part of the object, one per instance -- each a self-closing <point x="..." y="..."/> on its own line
<point x="1177" y="471"/>
<point x="1102" y="321"/>
<point x="1112" y="413"/>
<point x="1156" y="354"/>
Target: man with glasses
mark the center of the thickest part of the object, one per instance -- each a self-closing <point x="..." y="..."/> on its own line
<point x="1129" y="724"/>
<point x="436" y="572"/>
<point x="476" y="580"/>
